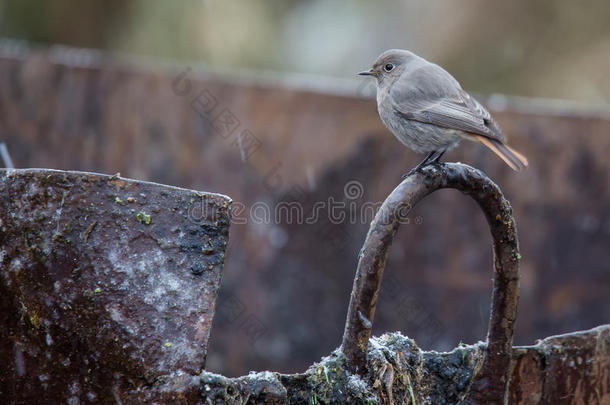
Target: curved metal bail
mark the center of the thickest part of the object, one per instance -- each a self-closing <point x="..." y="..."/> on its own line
<point x="490" y="384"/>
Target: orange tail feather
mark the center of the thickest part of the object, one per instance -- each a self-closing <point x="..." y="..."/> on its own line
<point x="511" y="157"/>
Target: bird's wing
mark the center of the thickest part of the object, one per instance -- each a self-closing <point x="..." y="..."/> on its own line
<point x="427" y="93"/>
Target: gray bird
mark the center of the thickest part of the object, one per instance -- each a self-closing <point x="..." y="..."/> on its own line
<point x="427" y="110"/>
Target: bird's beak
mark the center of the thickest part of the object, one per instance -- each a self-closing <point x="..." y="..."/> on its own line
<point x="368" y="73"/>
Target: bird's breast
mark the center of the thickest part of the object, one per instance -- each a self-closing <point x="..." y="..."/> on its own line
<point x="382" y="95"/>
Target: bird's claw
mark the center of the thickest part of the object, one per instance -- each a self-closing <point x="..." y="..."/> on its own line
<point x="410" y="172"/>
<point x="416" y="169"/>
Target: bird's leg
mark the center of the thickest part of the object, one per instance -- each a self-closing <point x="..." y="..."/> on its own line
<point x="437" y="158"/>
<point x="423" y="163"/>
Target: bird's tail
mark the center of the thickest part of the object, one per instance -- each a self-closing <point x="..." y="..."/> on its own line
<point x="511" y="157"/>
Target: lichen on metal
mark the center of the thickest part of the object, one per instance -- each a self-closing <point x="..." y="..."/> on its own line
<point x="97" y="287"/>
<point x="399" y="372"/>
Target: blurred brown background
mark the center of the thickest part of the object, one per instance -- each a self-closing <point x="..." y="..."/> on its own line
<point x="275" y="136"/>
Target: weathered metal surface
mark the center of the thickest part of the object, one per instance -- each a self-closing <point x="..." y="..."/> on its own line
<point x="72" y="109"/>
<point x="107" y="285"/>
<point x="491" y="382"/>
<point x="567" y="369"/>
<point x="571" y="369"/>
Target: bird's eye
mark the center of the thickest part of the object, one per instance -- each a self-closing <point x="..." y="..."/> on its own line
<point x="388" y="67"/>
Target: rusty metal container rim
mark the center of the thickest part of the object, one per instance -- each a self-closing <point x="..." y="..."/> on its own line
<point x="550" y="338"/>
<point x="12" y="172"/>
<point x="88" y="58"/>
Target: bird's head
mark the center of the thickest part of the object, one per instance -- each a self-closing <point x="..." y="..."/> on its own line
<point x="389" y="65"/>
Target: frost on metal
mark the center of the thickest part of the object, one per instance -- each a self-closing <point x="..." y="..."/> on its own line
<point x="566" y="369"/>
<point x="107" y="285"/>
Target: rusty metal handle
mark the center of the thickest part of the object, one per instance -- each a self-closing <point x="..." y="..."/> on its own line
<point x="490" y="384"/>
